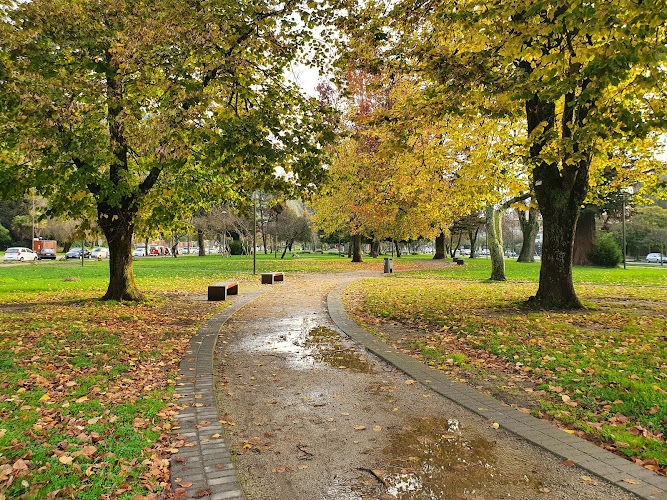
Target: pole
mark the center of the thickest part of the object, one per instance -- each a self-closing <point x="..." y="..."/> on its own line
<point x="223" y="250"/>
<point x="254" y="235"/>
<point x="32" y="243"/>
<point x="624" y="245"/>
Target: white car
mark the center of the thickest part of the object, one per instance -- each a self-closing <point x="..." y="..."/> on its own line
<point x="19" y="254"/>
<point x="655" y="258"/>
<point x="99" y="253"/>
<point x="139" y="252"/>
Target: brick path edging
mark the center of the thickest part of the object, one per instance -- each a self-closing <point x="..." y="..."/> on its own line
<point x="595" y="460"/>
<point x="205" y="462"/>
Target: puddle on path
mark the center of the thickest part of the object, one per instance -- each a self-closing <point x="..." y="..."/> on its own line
<point x="432" y="459"/>
<point x="326" y="344"/>
<point x="305" y="344"/>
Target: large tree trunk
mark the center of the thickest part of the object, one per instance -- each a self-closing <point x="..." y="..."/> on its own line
<point x="584" y="237"/>
<point x="398" y="249"/>
<point x="494" y="233"/>
<point x="375" y="249"/>
<point x="440" y="247"/>
<point x="356" y="248"/>
<point x="556" y="284"/>
<point x="118" y="229"/>
<point x="559" y="193"/>
<point x="529" y="228"/>
<point x="200" y="243"/>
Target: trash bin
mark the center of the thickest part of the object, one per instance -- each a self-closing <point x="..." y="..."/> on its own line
<point x="388" y="265"/>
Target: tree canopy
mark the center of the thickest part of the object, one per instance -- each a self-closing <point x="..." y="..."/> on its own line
<point x="587" y="81"/>
<point x="139" y="112"/>
<point x="398" y="174"/>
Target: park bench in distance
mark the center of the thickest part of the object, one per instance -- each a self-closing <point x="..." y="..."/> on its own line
<point x="219" y="291"/>
<point x="269" y="278"/>
<point x="458" y="261"/>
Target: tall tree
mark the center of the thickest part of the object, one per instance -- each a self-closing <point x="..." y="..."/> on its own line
<point x="583" y="76"/>
<point x="125" y="111"/>
<point x="292" y="227"/>
<point x="530" y="226"/>
<point x="400" y="176"/>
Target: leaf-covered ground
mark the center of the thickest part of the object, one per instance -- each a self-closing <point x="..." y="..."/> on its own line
<point x="86" y="395"/>
<point x="86" y="387"/>
<point x="599" y="373"/>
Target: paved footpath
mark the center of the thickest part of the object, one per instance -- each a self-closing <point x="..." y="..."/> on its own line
<point x="298" y="431"/>
<point x="203" y="468"/>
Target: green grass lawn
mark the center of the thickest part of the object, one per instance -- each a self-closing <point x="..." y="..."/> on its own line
<point x="479" y="269"/>
<point x="601" y="373"/>
<point x="187" y="273"/>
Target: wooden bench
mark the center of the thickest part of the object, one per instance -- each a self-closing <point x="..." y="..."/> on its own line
<point x="269" y="278"/>
<point x="458" y="261"/>
<point x="219" y="291"/>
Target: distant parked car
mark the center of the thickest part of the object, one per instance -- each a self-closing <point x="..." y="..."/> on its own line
<point x="139" y="252"/>
<point x="99" y="253"/>
<point x="19" y="254"/>
<point x="46" y="254"/>
<point x="654" y="258"/>
<point x="75" y="253"/>
<point x="156" y="250"/>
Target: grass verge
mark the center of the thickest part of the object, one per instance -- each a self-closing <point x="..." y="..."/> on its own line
<point x="86" y="395"/>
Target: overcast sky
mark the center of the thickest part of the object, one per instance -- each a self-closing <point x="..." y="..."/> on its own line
<point x="306" y="77"/>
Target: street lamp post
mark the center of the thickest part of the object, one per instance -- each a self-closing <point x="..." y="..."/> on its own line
<point x="623" y="225"/>
<point x="32" y="243"/>
<point x="624" y="192"/>
<point x="254" y="234"/>
<point x="223" y="250"/>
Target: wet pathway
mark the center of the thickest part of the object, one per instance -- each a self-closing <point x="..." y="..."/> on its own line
<point x="309" y="415"/>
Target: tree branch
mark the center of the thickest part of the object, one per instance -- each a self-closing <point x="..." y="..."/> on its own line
<point x="516" y="199"/>
<point x="93" y="187"/>
<point x="150" y="180"/>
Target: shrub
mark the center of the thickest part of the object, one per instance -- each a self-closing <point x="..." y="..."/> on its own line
<point x="605" y="251"/>
<point x="5" y="239"/>
<point x="236" y="247"/>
